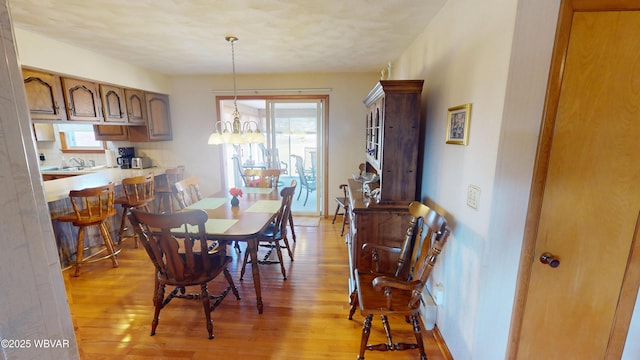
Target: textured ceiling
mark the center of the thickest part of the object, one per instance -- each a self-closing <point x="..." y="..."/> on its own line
<point x="275" y="36"/>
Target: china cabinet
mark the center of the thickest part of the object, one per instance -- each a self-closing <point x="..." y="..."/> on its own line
<point x="392" y="134"/>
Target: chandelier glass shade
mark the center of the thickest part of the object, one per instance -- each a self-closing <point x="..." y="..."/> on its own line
<point x="235" y="132"/>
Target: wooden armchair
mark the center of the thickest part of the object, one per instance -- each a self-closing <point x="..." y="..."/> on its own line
<point x="400" y="292"/>
<point x="174" y="245"/>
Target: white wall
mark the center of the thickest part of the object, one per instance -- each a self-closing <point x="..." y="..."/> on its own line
<point x="495" y="55"/>
<point x="45" y="53"/>
<point x="194" y="114"/>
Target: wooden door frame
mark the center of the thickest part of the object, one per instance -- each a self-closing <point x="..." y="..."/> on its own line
<point x="631" y="280"/>
<point x="324" y="136"/>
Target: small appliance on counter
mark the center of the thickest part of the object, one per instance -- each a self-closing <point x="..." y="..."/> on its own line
<point x="126" y="154"/>
<point x="140" y="162"/>
<point x="110" y="157"/>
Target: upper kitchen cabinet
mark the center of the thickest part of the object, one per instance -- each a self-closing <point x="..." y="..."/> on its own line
<point x="136" y="106"/>
<point x="158" y="120"/>
<point x="83" y="100"/>
<point x="44" y="95"/>
<point x="114" y="106"/>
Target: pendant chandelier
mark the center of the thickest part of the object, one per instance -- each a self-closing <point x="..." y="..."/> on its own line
<point x="235" y="132"/>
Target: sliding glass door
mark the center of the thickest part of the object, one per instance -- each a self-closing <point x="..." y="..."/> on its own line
<point x="294" y="144"/>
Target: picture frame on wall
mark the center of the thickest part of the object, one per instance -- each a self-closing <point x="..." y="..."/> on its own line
<point x="458" y="118"/>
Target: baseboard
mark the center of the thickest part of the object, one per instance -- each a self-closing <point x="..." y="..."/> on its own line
<point x="444" y="349"/>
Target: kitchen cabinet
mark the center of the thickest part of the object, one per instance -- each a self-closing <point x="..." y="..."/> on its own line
<point x="158" y="120"/>
<point x="44" y="95"/>
<point x="136" y="107"/>
<point x="44" y="132"/>
<point x="392" y="137"/>
<point x="111" y="132"/>
<point x="114" y="106"/>
<point x="83" y="100"/>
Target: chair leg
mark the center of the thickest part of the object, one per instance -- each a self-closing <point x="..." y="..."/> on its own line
<point x="108" y="242"/>
<point x="227" y="275"/>
<point x="244" y="262"/>
<point x="418" y="334"/>
<point x="157" y="302"/>
<point x="286" y="245"/>
<point x="344" y="222"/>
<point x="282" y="269"/>
<point x="335" y="215"/>
<point x="125" y="210"/>
<point x="79" y="250"/>
<point x="293" y="231"/>
<point x="306" y="198"/>
<point x="207" y="309"/>
<point x="366" y="331"/>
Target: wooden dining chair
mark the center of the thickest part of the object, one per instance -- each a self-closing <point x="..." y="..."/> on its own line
<point x="276" y="232"/>
<point x="182" y="259"/>
<point x="342" y="208"/>
<point x="164" y="191"/>
<point x="138" y="193"/>
<point x="262" y="178"/>
<point x="92" y="207"/>
<point x="187" y="191"/>
<point x="400" y="292"/>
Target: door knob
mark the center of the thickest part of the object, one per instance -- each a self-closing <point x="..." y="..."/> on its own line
<point x="550" y="259"/>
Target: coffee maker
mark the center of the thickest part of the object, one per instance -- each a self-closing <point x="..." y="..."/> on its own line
<point x="126" y="154"/>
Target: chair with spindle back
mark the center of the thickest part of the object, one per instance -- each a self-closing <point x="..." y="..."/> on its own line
<point x="138" y="194"/>
<point x="174" y="243"/>
<point x="262" y="178"/>
<point x="276" y="232"/>
<point x="164" y="191"/>
<point x="400" y="293"/>
<point x="92" y="207"/>
<point x="187" y="191"/>
<point x="342" y="203"/>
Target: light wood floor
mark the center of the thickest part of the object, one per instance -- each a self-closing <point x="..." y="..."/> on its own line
<point x="305" y="317"/>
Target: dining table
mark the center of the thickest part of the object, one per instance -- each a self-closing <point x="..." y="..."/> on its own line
<point x="226" y="223"/>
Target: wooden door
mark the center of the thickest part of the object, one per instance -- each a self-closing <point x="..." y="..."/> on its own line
<point x="590" y="197"/>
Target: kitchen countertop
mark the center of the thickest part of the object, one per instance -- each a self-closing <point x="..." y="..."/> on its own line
<point x="59" y="189"/>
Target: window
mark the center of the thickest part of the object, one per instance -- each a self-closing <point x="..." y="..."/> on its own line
<point x="79" y="138"/>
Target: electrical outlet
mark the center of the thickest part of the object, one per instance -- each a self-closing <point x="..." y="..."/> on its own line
<point x="473" y="196"/>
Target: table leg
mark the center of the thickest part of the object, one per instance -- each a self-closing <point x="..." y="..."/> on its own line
<point x="252" y="247"/>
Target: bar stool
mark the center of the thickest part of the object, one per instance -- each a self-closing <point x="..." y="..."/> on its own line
<point x="342" y="203"/>
<point x="92" y="206"/>
<point x="165" y="191"/>
<point x="138" y="194"/>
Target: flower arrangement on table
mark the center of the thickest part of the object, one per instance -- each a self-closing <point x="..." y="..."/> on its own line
<point x="235" y="192"/>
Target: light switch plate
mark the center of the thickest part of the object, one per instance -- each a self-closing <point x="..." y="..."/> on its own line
<point x="473" y="196"/>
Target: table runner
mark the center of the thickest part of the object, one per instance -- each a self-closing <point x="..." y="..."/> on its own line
<point x="212" y="226"/>
<point x="208" y="203"/>
<point x="255" y="190"/>
<point x="268" y="206"/>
